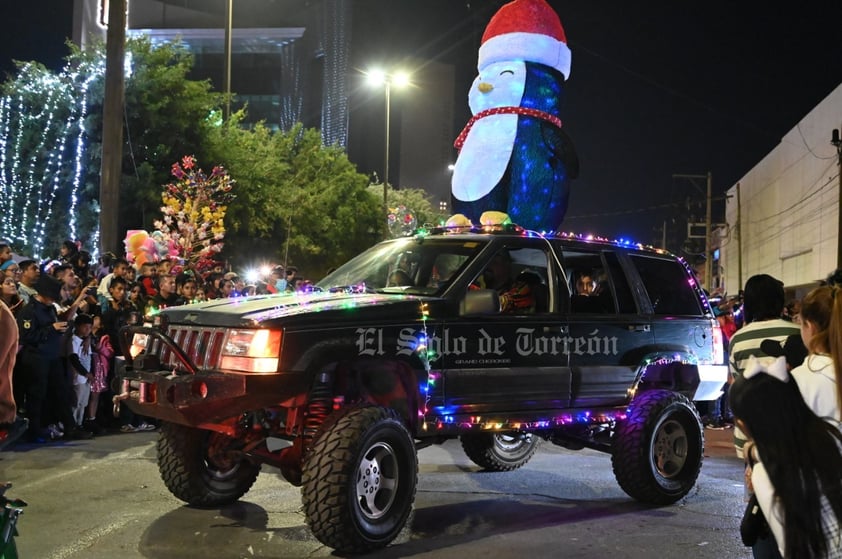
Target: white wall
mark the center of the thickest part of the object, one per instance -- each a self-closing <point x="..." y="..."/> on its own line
<point x="788" y="206"/>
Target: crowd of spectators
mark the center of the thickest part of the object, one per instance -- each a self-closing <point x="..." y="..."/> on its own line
<point x="69" y="311"/>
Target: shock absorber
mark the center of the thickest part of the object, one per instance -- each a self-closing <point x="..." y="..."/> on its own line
<point x="320" y="405"/>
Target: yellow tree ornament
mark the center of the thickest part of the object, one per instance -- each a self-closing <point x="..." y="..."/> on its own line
<point x="194" y="211"/>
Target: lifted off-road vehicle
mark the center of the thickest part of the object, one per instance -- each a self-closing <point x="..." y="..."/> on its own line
<point x="404" y="346"/>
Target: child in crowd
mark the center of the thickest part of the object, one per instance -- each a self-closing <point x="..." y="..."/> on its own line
<point x="137" y="298"/>
<point x="795" y="461"/>
<point x="187" y="288"/>
<point x="102" y="357"/>
<point x="148" y="278"/>
<point x="80" y="364"/>
<point x="164" y="267"/>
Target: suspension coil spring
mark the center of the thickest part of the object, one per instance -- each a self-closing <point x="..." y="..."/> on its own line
<point x="320" y="405"/>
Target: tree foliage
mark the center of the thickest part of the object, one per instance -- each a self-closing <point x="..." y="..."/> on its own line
<point x="298" y="202"/>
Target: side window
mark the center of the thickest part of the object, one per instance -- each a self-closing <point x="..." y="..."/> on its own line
<point x="445" y="267"/>
<point x="668" y="286"/>
<point x="519" y="275"/>
<point x="589" y="279"/>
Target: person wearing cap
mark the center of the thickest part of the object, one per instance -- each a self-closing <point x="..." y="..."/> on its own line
<point x="277" y="281"/>
<point x="291" y="278"/>
<point x="41" y="368"/>
<point x="10" y="269"/>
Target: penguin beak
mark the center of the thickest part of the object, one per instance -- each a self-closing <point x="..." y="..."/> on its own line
<point x="485" y="87"/>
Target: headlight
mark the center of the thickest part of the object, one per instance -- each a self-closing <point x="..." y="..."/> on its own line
<point x="251" y="351"/>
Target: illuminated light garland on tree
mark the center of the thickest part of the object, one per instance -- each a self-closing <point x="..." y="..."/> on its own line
<point x="39" y="125"/>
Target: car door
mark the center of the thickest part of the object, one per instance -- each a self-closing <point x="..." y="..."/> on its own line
<point x="608" y="335"/>
<point x="512" y="361"/>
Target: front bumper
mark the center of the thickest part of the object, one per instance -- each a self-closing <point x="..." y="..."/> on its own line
<point x="206" y="397"/>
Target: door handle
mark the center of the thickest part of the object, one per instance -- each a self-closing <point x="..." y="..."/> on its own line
<point x="639" y="328"/>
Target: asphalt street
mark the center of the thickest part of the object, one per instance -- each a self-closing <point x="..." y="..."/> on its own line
<point x="103" y="499"/>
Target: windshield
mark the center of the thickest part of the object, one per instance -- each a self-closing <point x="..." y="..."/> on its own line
<point x="420" y="266"/>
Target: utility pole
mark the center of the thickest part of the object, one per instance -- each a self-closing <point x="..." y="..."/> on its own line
<point x="837" y="143"/>
<point x="112" y="128"/>
<point x="708" y="222"/>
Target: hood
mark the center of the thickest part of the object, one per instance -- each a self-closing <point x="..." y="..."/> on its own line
<point x="252" y="311"/>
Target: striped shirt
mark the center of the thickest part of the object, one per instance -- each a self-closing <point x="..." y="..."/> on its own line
<point x="746" y="342"/>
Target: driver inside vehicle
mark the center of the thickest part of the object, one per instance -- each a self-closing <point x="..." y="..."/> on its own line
<point x="515" y="295"/>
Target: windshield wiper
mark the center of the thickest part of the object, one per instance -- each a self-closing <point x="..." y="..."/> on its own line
<point x="356" y="288"/>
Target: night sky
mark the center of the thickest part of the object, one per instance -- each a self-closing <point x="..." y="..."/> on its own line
<point x="656" y="88"/>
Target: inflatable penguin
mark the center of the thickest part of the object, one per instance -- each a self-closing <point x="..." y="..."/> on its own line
<point x="514" y="156"/>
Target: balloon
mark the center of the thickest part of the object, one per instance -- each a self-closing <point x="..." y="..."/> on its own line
<point x="162" y="245"/>
<point x="134" y="242"/>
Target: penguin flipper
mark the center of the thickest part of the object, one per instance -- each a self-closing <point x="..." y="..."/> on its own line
<point x="562" y="148"/>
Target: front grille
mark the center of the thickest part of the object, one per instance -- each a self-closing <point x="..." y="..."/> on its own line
<point x="202" y="345"/>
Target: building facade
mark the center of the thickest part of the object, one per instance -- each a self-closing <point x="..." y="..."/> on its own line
<point x="289" y="58"/>
<point x="783" y="215"/>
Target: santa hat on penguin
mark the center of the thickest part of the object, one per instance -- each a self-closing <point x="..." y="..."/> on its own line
<point x="527" y="30"/>
<point x="515" y="159"/>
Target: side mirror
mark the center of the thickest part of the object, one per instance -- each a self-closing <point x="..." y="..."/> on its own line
<point x="479" y="302"/>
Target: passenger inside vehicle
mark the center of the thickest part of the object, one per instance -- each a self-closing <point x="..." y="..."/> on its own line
<point x="592" y="295"/>
<point x="585" y="284"/>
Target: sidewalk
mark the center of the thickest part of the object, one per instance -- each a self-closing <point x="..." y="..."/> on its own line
<point x="720" y="443"/>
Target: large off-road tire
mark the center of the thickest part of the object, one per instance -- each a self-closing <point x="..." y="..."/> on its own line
<point x="198" y="468"/>
<point x="657" y="450"/>
<point x="500" y="452"/>
<point x="359" y="479"/>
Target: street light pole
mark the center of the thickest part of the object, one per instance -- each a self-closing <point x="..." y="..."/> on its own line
<point x="383" y="79"/>
<point x="388" y="85"/>
<point x="229" y="19"/>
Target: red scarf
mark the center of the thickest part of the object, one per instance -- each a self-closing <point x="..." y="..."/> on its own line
<point x="460" y="140"/>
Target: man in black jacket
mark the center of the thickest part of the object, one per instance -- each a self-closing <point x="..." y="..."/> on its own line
<point x="41" y="366"/>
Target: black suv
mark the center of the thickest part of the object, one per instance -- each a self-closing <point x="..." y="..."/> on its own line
<point x="403" y="347"/>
